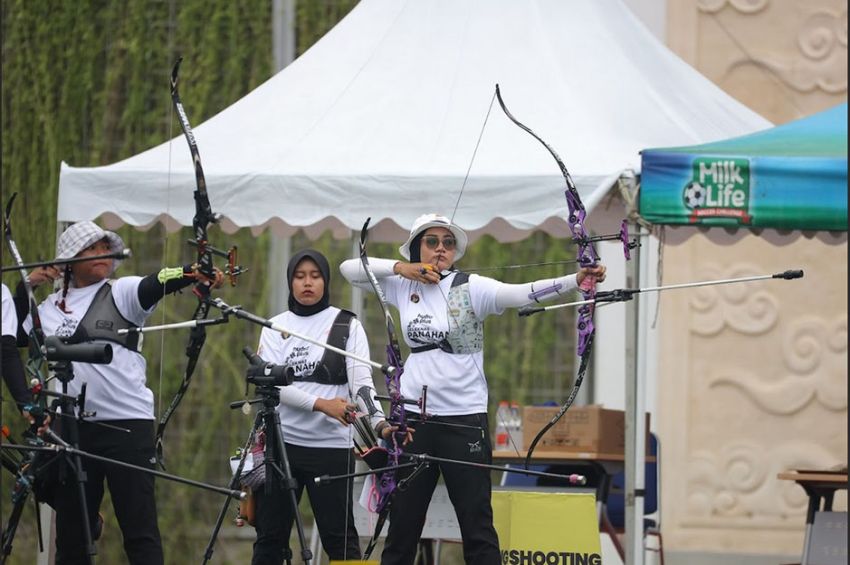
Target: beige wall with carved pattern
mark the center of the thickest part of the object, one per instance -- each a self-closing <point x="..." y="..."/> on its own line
<point x="753" y="378"/>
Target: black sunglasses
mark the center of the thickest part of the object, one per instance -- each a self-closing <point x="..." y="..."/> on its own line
<point x="432" y="241"/>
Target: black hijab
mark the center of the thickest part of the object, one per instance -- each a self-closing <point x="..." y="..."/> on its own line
<point x="416" y="248"/>
<point x="296" y="307"/>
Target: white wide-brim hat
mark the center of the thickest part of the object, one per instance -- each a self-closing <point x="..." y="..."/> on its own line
<point x="83" y="234"/>
<point x="426" y="221"/>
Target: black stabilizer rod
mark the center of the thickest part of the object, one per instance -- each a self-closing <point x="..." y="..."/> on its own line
<point x="529" y="310"/>
<point x="790" y="274"/>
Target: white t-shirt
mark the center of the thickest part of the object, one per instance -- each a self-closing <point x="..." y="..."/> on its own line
<point x="10" y="317"/>
<point x="302" y="426"/>
<point x="116" y="391"/>
<point x="456" y="381"/>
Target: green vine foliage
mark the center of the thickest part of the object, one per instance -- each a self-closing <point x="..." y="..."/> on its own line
<point x="86" y="82"/>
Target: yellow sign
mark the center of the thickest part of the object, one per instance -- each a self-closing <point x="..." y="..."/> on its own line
<point x="555" y="528"/>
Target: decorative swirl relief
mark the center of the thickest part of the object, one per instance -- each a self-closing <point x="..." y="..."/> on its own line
<point x="822" y="65"/>
<point x="822" y="33"/>
<point x="815" y="351"/>
<point x="810" y="339"/>
<point x="743" y="6"/>
<point x="779" y="399"/>
<point x="837" y="341"/>
<point x="738" y="306"/>
<point x="738" y="481"/>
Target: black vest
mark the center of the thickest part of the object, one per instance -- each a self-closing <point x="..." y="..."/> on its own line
<point x="331" y="369"/>
<point x="103" y="320"/>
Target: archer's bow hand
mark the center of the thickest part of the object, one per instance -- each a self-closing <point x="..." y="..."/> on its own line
<point x="417" y="272"/>
<point x="387" y="430"/>
<point x="208" y="281"/>
<point x="597" y="272"/>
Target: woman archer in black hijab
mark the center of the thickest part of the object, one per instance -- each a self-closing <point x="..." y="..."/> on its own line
<point x="315" y="412"/>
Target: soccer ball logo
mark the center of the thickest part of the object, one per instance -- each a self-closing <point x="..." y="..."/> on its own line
<point x="694" y="195"/>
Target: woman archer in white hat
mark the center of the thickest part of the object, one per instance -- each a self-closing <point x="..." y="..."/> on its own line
<point x="92" y="307"/>
<point x="442" y="312"/>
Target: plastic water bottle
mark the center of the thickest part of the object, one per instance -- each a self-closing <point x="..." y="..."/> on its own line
<point x="503" y="418"/>
<point x="515" y="429"/>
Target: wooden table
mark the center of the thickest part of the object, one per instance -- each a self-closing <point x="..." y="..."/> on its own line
<point x="821" y="487"/>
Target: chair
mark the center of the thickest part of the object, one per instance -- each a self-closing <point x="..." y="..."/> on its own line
<point x="614" y="517"/>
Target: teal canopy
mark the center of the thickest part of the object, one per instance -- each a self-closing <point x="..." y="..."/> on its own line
<point x="792" y="176"/>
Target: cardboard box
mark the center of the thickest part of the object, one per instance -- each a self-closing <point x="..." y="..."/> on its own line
<point x="582" y="429"/>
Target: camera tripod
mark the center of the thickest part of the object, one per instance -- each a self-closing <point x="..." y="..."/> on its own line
<point x="277" y="470"/>
<point x="28" y="471"/>
<point x="64" y="371"/>
<point x="45" y="454"/>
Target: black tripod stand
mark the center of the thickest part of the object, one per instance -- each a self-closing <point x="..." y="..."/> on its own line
<point x="39" y="461"/>
<point x="28" y="471"/>
<point x="278" y="473"/>
<point x="39" y="455"/>
<point x="60" y="356"/>
<point x="70" y="437"/>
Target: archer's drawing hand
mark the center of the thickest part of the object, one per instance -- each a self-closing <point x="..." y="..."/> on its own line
<point x="41" y="275"/>
<point x="337" y="408"/>
<point x="419" y="272"/>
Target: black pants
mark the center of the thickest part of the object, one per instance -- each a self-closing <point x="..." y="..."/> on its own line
<point x="331" y="505"/>
<point x="132" y="493"/>
<point x="469" y="490"/>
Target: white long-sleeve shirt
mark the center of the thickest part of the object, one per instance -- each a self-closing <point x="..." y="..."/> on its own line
<point x="456" y="381"/>
<point x="300" y="424"/>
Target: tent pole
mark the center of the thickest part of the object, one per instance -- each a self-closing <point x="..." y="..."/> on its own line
<point x="280" y="252"/>
<point x="635" y="423"/>
<point x="280" y="248"/>
<point x="283" y="33"/>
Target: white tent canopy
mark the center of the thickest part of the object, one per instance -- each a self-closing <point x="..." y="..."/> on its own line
<point x="381" y="118"/>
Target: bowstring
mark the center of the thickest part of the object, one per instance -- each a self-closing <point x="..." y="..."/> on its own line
<point x="451" y="223"/>
<point x="472" y="160"/>
<point x="163" y="310"/>
<point x="349" y="483"/>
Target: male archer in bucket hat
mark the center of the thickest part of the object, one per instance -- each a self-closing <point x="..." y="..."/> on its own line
<point x="91" y="306"/>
